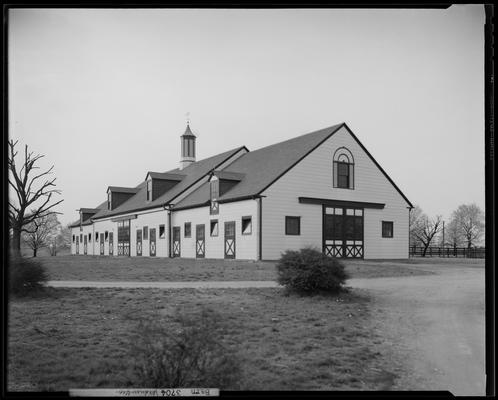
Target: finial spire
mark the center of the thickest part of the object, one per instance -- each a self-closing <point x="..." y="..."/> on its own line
<point x="187" y="115"/>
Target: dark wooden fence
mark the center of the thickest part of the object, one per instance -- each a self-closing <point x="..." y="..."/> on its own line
<point x="473" y="252"/>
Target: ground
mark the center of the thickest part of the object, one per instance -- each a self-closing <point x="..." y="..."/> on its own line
<point x="97" y="268"/>
<point x="419" y="326"/>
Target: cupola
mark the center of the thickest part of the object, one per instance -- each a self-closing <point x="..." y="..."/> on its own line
<point x="188" y="148"/>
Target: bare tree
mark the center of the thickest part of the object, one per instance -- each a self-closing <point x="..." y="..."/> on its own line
<point x="453" y="235"/>
<point x="425" y="230"/>
<point x="41" y="232"/>
<point x="33" y="199"/>
<point x="60" y="241"/>
<point x="414" y="222"/>
<point x="469" y="219"/>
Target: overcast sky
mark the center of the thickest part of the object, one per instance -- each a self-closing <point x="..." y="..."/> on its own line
<point x="104" y="93"/>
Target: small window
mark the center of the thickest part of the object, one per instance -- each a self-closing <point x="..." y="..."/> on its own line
<point x="109" y="200"/>
<point x="73" y="239"/>
<point x="162" y="232"/>
<point x="246" y="225"/>
<point x="106" y="236"/>
<point x="292" y="225"/>
<point x="96" y="236"/>
<point x="81" y="237"/>
<point x="89" y="237"/>
<point x="187" y="230"/>
<point x="146" y="233"/>
<point x="149" y="190"/>
<point x="387" y="229"/>
<point x="214" y="227"/>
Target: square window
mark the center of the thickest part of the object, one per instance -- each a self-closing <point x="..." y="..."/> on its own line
<point x="73" y="239"/>
<point x="89" y="237"/>
<point x="214" y="227"/>
<point x="187" y="230"/>
<point x="106" y="236"/>
<point x="162" y="232"/>
<point x="246" y="225"/>
<point x="146" y="232"/>
<point x="292" y="225"/>
<point x="387" y="229"/>
<point x="81" y="237"/>
<point x="96" y="236"/>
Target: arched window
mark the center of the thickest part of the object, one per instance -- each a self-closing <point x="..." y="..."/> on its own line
<point x="343" y="169"/>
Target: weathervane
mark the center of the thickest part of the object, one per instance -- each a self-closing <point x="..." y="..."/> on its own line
<point x="187" y="115"/>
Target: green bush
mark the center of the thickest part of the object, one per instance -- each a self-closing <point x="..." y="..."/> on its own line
<point x="310" y="271"/>
<point x="186" y="351"/>
<point x="26" y="276"/>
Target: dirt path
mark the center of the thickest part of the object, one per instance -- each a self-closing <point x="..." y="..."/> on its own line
<point x="165" y="285"/>
<point x="436" y="324"/>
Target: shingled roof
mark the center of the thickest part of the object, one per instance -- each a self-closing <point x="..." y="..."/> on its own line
<point x="193" y="173"/>
<point x="262" y="167"/>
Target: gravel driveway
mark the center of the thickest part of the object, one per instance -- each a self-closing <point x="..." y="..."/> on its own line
<point x="436" y="324"/>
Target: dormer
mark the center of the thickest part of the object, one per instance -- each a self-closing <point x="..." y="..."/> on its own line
<point x="86" y="213"/>
<point x="226" y="180"/>
<point x="158" y="183"/>
<point x="221" y="182"/>
<point x="117" y="195"/>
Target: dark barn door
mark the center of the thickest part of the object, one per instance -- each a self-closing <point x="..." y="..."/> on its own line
<point x="176" y="241"/>
<point x="111" y="244"/>
<point x="85" y="244"/>
<point x="139" y="242"/>
<point x="200" y="243"/>
<point x="230" y="239"/>
<point x="77" y="245"/>
<point x="124" y="238"/>
<point x="343" y="232"/>
<point x="152" y="242"/>
<point x="102" y="244"/>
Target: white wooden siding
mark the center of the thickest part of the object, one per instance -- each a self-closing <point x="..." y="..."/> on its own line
<point x="312" y="177"/>
<point x="246" y="245"/>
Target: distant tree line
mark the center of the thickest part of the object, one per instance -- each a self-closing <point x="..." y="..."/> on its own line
<point x="465" y="228"/>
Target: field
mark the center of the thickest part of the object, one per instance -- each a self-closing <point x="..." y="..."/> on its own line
<point x="97" y="268"/>
<point x="78" y="338"/>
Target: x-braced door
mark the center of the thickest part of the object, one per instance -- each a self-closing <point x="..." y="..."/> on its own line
<point x="102" y="244"/>
<point x="343" y="232"/>
<point x="200" y="242"/>
<point x="152" y="242"/>
<point x="85" y="244"/>
<point x="230" y="239"/>
<point x="139" y="242"/>
<point x="176" y="241"/>
<point x="111" y="244"/>
<point x="77" y="245"/>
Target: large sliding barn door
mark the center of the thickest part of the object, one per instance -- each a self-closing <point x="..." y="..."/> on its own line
<point x="152" y="242"/>
<point x="176" y="241"/>
<point x="343" y="232"/>
<point x="111" y="243"/>
<point x="85" y="244"/>
<point x="124" y="238"/>
<point x="139" y="242"/>
<point x="200" y="242"/>
<point x="230" y="239"/>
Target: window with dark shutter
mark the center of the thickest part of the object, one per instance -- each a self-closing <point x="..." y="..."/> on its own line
<point x="292" y="225"/>
<point x="187" y="229"/>
<point x="387" y="229"/>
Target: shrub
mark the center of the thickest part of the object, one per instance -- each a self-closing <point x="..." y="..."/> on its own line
<point x="26" y="276"/>
<point x="186" y="351"/>
<point x="310" y="271"/>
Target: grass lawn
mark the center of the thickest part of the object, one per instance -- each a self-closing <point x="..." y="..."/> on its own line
<point x="80" y="338"/>
<point x="97" y="268"/>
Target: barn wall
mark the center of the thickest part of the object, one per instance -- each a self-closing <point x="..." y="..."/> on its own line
<point x="246" y="245"/>
<point x="312" y="177"/>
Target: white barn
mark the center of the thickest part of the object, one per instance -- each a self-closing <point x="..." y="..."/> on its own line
<point x="322" y="189"/>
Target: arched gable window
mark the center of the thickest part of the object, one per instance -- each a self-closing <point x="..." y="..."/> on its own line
<point x="343" y="169"/>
